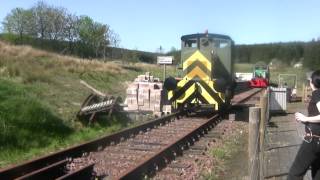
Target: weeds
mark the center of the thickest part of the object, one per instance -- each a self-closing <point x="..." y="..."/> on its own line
<point x="219" y="153"/>
<point x="225" y="152"/>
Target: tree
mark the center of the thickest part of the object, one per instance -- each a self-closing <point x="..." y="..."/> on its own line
<point x="114" y="39"/>
<point x="93" y="34"/>
<point x="56" y="24"/>
<point x="70" y="30"/>
<point x="312" y="55"/>
<point x="41" y="16"/>
<point x="19" y="21"/>
<point x="57" y="18"/>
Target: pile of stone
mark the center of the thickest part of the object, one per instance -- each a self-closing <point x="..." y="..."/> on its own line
<point x="145" y="94"/>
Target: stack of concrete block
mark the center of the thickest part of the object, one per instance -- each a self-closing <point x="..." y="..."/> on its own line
<point x="132" y="96"/>
<point x="145" y="94"/>
<point x="166" y="109"/>
<point x="143" y="99"/>
<point x="155" y="100"/>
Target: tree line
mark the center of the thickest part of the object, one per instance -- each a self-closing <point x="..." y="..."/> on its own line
<point x="283" y="54"/>
<point x="286" y="53"/>
<point x="44" y="24"/>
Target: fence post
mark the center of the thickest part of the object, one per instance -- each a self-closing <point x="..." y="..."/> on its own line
<point x="254" y="121"/>
<point x="264" y="109"/>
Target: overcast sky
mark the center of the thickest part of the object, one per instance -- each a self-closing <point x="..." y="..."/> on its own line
<point x="149" y="24"/>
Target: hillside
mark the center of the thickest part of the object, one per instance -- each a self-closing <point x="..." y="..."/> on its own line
<point x="40" y="95"/>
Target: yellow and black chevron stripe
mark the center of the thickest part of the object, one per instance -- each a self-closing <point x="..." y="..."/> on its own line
<point x="197" y="66"/>
<point x="197" y="86"/>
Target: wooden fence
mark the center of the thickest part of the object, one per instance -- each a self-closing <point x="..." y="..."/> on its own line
<point x="258" y="119"/>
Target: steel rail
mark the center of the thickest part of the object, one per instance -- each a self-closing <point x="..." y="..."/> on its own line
<point x="84" y="173"/>
<point x="76" y="151"/>
<point x="246" y="95"/>
<point x="49" y="172"/>
<point x="167" y="153"/>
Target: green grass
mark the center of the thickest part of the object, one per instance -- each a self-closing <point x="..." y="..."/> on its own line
<point x="223" y="153"/>
<point x="26" y="123"/>
<point x="219" y="153"/>
<point x="300" y="73"/>
<point x="243" y="67"/>
<point x="28" y="127"/>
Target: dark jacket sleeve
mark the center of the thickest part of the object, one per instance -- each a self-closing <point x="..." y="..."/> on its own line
<point x="315" y="96"/>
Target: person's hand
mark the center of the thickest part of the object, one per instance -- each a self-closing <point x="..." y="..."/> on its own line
<point x="300" y="117"/>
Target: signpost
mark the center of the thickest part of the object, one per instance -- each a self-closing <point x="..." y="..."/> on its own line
<point x="164" y="60"/>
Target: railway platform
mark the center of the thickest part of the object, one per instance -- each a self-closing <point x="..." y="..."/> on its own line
<point x="282" y="141"/>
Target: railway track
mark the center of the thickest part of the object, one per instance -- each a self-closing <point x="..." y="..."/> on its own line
<point x="128" y="154"/>
<point x="198" y="159"/>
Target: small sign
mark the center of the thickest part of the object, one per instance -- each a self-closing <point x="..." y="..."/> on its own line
<point x="164" y="59"/>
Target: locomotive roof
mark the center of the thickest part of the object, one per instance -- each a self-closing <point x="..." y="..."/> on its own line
<point x="200" y="35"/>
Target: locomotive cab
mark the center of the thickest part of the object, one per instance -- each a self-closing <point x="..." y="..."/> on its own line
<point x="216" y="48"/>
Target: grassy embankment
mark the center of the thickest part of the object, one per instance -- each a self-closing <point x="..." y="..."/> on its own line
<point x="40" y="95"/>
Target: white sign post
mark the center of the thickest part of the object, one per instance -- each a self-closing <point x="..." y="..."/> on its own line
<point x="164" y="60"/>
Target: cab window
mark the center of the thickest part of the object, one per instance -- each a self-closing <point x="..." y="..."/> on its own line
<point x="190" y="43"/>
<point x="221" y="44"/>
<point x="206" y="43"/>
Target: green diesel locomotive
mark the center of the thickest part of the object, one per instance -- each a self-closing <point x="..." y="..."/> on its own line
<point x="207" y="72"/>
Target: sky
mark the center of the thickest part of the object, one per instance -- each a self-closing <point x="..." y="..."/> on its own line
<point x="148" y="24"/>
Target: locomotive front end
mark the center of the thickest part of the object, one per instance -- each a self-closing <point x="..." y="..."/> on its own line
<point x="207" y="77"/>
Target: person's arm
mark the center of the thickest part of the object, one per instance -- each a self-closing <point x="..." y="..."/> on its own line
<point x="312" y="119"/>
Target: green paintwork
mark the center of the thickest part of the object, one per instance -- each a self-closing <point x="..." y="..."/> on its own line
<point x="215" y="47"/>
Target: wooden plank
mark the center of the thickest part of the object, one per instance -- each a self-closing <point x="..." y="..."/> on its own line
<point x="253" y="147"/>
<point x="273" y="163"/>
<point x="285" y="159"/>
